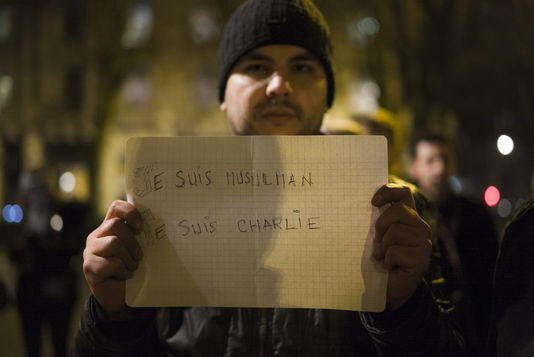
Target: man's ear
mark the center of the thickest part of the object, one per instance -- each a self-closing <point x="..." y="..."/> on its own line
<point x="223" y="107"/>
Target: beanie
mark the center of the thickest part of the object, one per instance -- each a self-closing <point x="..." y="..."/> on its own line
<point x="284" y="22"/>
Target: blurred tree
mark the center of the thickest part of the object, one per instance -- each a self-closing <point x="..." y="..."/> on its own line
<point x="461" y="67"/>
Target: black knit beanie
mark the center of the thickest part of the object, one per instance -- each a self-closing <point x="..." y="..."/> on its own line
<point x="284" y="22"/>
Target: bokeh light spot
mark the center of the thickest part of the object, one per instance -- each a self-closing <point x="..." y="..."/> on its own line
<point x="369" y="26"/>
<point x="12" y="213"/>
<point x="67" y="181"/>
<point x="504" y="208"/>
<point x="492" y="196"/>
<point x="56" y="222"/>
<point x="505" y="144"/>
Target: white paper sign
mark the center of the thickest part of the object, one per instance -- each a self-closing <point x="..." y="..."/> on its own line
<point x="257" y="221"/>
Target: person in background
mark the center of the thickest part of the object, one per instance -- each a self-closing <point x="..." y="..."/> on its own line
<point x="378" y="122"/>
<point x="468" y="229"/>
<point x="512" y="328"/>
<point x="384" y="122"/>
<point x="46" y="284"/>
<point x="275" y="78"/>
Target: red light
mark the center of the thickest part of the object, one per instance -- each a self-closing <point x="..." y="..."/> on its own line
<point x="492" y="196"/>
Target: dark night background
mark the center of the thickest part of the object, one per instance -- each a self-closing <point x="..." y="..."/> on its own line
<point x="79" y="77"/>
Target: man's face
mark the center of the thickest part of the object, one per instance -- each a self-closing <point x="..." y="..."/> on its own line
<point x="276" y="90"/>
<point x="431" y="168"/>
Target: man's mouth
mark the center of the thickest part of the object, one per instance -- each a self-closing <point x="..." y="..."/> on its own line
<point x="278" y="116"/>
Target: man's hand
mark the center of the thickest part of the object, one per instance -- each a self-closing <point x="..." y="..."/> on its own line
<point x="402" y="241"/>
<point x="111" y="256"/>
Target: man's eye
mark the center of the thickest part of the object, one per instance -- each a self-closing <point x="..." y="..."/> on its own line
<point x="255" y="67"/>
<point x="302" y="67"/>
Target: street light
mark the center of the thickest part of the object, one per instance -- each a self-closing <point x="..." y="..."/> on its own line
<point x="505" y="144"/>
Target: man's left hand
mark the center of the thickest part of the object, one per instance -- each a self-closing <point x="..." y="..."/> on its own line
<point x="402" y="241"/>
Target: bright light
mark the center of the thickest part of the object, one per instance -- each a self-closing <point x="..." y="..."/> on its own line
<point x="67" y="181"/>
<point x="12" y="213"/>
<point x="492" y="196"/>
<point x="56" y="222"/>
<point x="505" y="144"/>
<point x="504" y="208"/>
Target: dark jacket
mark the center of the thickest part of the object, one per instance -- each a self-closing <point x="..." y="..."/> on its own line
<point x="417" y="329"/>
<point x="420" y="328"/>
<point x="512" y="329"/>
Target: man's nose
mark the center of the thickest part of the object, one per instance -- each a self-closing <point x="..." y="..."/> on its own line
<point x="278" y="85"/>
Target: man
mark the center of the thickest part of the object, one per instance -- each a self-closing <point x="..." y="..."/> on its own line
<point x="275" y="77"/>
<point x="471" y="256"/>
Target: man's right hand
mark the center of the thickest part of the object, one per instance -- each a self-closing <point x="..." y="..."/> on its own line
<point x="111" y="256"/>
